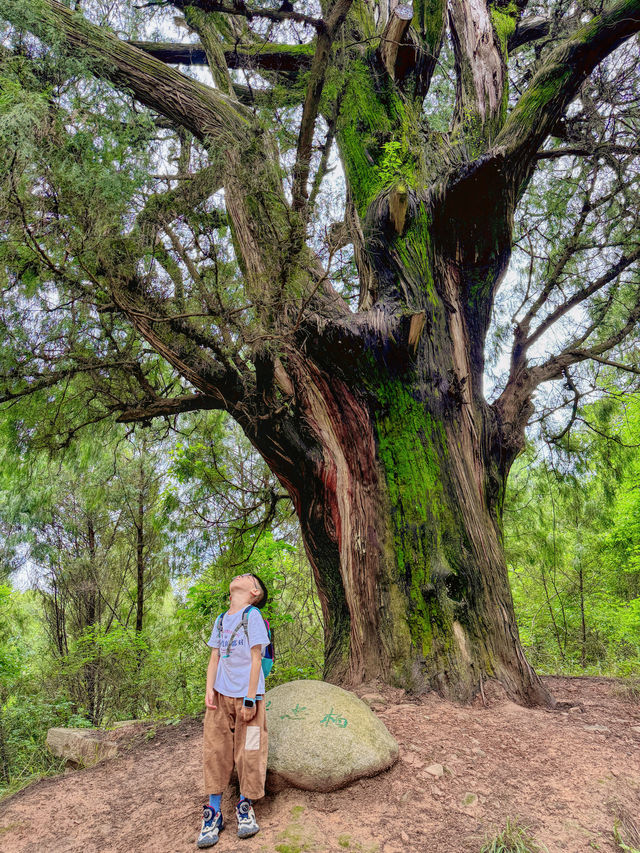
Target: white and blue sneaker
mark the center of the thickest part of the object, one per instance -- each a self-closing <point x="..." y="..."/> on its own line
<point x="247" y="824"/>
<point x="212" y="824"/>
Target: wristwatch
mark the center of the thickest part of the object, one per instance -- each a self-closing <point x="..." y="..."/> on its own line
<point x="248" y="703"/>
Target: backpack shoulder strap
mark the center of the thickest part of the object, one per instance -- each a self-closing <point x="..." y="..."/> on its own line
<point x="219" y="621"/>
<point x="245" y="620"/>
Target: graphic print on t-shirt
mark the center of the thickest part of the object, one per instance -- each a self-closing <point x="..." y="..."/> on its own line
<point x="239" y="639"/>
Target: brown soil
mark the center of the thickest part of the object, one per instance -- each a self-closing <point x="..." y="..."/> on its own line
<point x="568" y="784"/>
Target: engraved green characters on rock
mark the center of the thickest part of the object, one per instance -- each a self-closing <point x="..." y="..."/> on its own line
<point x="301" y="712"/>
<point x="297" y="713"/>
<point x="341" y="722"/>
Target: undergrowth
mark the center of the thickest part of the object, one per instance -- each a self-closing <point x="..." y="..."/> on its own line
<point x="514" y="838"/>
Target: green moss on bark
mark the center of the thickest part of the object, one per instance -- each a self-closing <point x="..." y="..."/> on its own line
<point x="411" y="447"/>
<point x="428" y="20"/>
<point x="415" y="253"/>
<point x="375" y="133"/>
<point x="504" y="21"/>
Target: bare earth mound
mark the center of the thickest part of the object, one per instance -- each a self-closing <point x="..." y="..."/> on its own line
<point x="568" y="781"/>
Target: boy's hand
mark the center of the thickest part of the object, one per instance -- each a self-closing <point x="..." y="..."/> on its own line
<point x="209" y="700"/>
<point x="247" y="714"/>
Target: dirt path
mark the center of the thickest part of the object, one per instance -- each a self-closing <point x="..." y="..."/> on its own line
<point x="569" y="783"/>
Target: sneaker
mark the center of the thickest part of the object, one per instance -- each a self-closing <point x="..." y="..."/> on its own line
<point x="212" y="824"/>
<point x="247" y="824"/>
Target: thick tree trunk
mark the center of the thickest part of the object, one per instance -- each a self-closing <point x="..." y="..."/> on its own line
<point x="407" y="554"/>
<point x="405" y="543"/>
<point x="400" y="499"/>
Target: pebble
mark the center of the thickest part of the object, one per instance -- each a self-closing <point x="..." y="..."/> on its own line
<point x="436" y="770"/>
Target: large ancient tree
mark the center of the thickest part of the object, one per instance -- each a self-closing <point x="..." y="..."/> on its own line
<point x="371" y="415"/>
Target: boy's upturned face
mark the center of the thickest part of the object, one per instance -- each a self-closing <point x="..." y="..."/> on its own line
<point x="245" y="583"/>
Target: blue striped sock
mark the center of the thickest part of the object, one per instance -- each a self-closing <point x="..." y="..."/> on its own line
<point x="214" y="802"/>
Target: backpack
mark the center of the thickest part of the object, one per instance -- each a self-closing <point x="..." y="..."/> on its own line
<point x="268" y="655"/>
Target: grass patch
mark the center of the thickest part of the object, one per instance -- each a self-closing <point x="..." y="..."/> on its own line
<point x="626" y="832"/>
<point x="295" y="838"/>
<point x="629" y="691"/>
<point x="514" y="838"/>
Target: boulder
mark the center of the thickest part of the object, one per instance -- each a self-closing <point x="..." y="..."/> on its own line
<point x="81" y="746"/>
<point x="322" y="737"/>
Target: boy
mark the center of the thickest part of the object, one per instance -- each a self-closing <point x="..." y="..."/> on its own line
<point x="235" y="726"/>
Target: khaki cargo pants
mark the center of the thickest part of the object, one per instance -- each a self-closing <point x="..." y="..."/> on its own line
<point x="227" y="739"/>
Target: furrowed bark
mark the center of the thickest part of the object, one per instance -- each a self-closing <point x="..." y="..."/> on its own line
<point x="480" y="69"/>
<point x="429" y="26"/>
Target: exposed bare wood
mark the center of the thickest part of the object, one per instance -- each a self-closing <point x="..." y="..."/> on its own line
<point x="398" y="204"/>
<point x="415" y="329"/>
<point x="282" y="378"/>
<point x="393" y="38"/>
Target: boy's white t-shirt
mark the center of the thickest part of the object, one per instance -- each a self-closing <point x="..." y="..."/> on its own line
<point x="234" y="666"/>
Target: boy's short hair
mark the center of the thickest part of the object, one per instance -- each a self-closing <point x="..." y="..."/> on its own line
<point x="265" y="595"/>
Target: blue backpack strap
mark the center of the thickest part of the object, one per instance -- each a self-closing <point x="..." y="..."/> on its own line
<point x="219" y="621"/>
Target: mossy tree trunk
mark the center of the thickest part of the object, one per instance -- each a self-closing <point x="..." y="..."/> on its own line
<point x="400" y="483"/>
<point x="374" y="420"/>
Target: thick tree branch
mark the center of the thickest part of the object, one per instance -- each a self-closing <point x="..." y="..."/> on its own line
<point x="169" y="407"/>
<point x="596" y="150"/>
<point x="204" y="25"/>
<point x="283" y="58"/>
<point x="200" y="109"/>
<point x="531" y="29"/>
<point x="427" y="35"/>
<point x="241" y="9"/>
<point x="556" y="84"/>
<point x="40" y="381"/>
<point x="317" y="75"/>
<point x="480" y="66"/>
<point x="554" y="367"/>
<point x="180" y="201"/>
